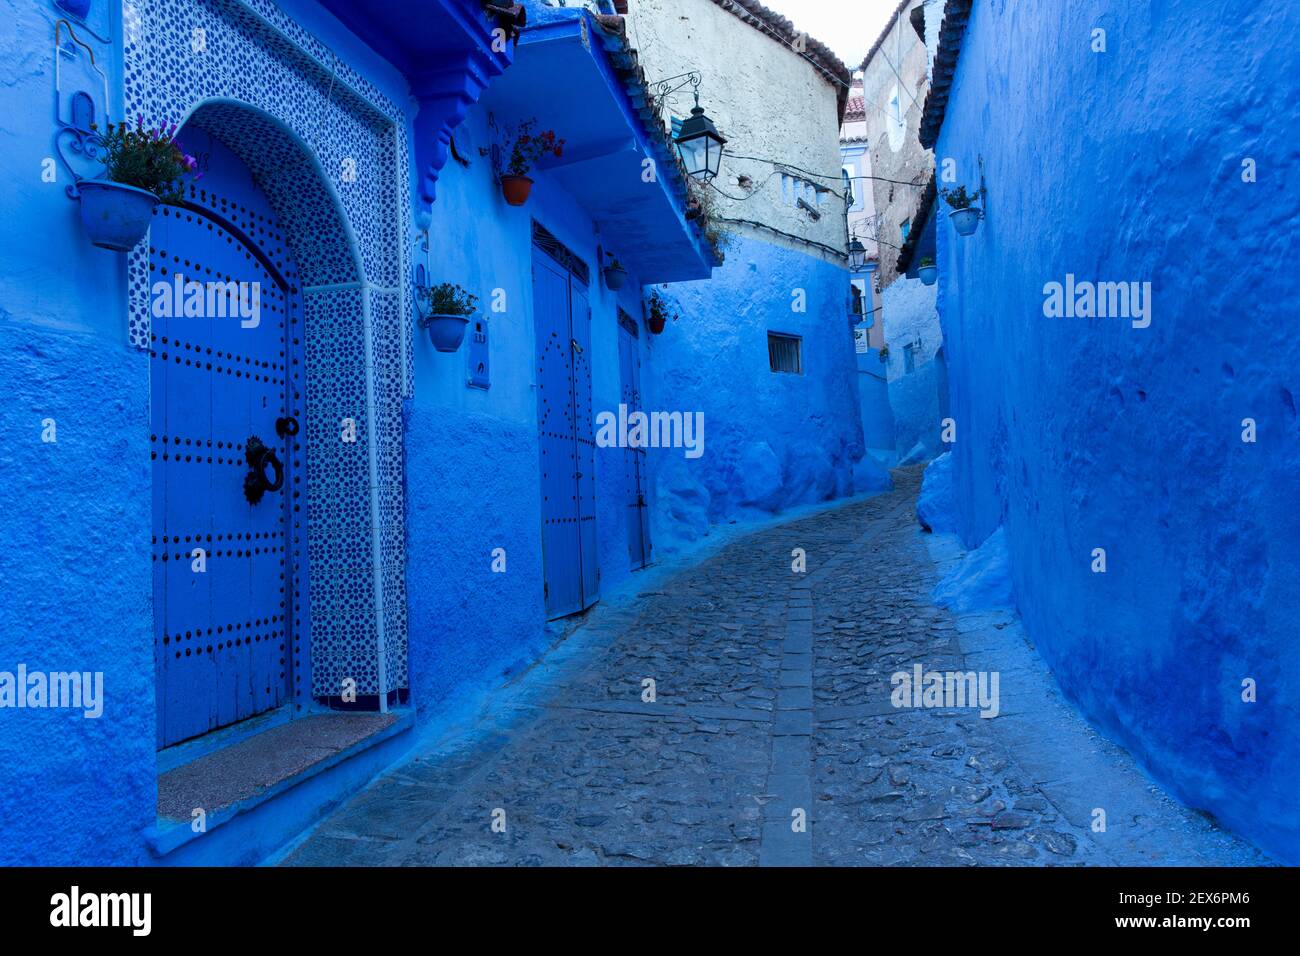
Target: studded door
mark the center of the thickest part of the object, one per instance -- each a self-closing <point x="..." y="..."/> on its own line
<point x="224" y="380"/>
<point x="562" y="324"/>
<point x="634" y="459"/>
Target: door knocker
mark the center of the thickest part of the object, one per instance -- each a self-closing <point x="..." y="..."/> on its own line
<point x="255" y="482"/>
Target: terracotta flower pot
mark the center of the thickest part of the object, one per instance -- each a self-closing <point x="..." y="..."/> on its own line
<point x="656" y="323"/>
<point x="116" y="216"/>
<point x="446" y="332"/>
<point x="516" y="189"/>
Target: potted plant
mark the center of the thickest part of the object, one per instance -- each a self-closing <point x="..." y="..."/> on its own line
<point x="884" y="354"/>
<point x="444" y="311"/>
<point x="965" y="215"/>
<point x="927" y="270"/>
<point x="142" y="167"/>
<point x="615" y="274"/>
<point x="657" y="312"/>
<point x="527" y="148"/>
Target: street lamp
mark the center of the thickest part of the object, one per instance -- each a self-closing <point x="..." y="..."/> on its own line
<point x="700" y="145"/>
<point x="857" y="255"/>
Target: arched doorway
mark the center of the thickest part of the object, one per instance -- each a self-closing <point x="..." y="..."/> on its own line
<point x="274" y="356"/>
<point x="226" y="381"/>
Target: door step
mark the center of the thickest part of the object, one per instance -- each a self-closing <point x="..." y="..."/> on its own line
<point x="238" y="804"/>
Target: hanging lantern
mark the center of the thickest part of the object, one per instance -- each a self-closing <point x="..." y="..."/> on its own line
<point x="700" y="145"/>
<point x="857" y="255"/>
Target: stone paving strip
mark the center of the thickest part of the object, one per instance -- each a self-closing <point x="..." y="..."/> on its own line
<point x="771" y="739"/>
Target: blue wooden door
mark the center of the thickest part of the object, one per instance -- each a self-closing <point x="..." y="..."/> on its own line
<point x="634" y="459"/>
<point x="220" y="358"/>
<point x="561" y="319"/>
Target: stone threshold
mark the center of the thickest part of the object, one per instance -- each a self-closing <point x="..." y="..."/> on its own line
<point x="256" y="769"/>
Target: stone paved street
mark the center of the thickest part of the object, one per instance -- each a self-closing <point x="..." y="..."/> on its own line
<point x="773" y="703"/>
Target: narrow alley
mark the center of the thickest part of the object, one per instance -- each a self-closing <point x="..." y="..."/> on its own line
<point x="772" y="696"/>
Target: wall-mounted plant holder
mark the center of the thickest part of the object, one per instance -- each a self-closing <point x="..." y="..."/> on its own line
<point x="479" y="370"/>
<point x="76" y="115"/>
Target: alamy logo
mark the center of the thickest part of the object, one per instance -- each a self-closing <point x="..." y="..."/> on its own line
<point x="75" y="908"/>
<point x="68" y="690"/>
<point x="948" y="689"/>
<point x="653" y="430"/>
<point x="1098" y="300"/>
<point x="191" y="299"/>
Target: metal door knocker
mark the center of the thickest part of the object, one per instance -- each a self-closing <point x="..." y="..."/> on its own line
<point x="255" y="482"/>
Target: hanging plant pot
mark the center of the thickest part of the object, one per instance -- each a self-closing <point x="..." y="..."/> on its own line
<point x="615" y="278"/>
<point x="516" y="189"/>
<point x="116" y="216"/>
<point x="928" y="273"/>
<point x="965" y="221"/>
<point x="446" y="332"/>
<point x="656" y="323"/>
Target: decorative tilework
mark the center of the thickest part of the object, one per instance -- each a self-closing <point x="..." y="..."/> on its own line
<point x="330" y="153"/>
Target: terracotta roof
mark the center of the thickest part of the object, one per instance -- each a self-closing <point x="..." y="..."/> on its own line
<point x="856" y="108"/>
<point x="956" y="14"/>
<point x="779" y="28"/>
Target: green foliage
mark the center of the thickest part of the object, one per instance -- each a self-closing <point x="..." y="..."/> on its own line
<point x="958" y="198"/>
<point x="446" y="298"/>
<point x="528" y="147"/>
<point x="148" y="159"/>
<point x="927" y="261"/>
<point x="658" y="309"/>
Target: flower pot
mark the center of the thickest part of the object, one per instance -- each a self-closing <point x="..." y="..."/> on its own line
<point x="965" y="221"/>
<point x="928" y="274"/>
<point x="516" y="189"/>
<point x="78" y="8"/>
<point x="446" y="332"/>
<point x="116" y="216"/>
<point x="615" y="278"/>
<point x="656" y="324"/>
<point x="620" y="7"/>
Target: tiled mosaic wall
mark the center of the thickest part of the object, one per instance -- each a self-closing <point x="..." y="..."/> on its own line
<point x="330" y="153"/>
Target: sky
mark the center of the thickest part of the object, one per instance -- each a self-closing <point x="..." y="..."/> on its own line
<point x="848" y="27"/>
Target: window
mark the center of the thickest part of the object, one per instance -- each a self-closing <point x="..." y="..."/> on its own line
<point x="850" y="199"/>
<point x="784" y="353"/>
<point x="857" y="302"/>
<point x="910" y="351"/>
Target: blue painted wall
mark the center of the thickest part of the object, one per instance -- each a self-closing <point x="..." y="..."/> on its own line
<point x="772" y="440"/>
<point x="1080" y="433"/>
<point x="76" y="561"/>
<point x="473" y="461"/>
<point x="75" y="549"/>
<point x="909" y="316"/>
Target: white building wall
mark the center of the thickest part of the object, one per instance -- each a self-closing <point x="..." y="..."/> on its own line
<point x="767" y="100"/>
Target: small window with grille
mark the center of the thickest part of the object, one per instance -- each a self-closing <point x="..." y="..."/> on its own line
<point x="784" y="353"/>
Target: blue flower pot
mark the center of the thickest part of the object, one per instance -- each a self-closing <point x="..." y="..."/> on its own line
<point x="965" y="221"/>
<point x="78" y="8"/>
<point x="116" y="216"/>
<point x="615" y="278"/>
<point x="928" y="274"/>
<point x="446" y="332"/>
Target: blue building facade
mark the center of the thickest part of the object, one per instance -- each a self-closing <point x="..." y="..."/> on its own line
<point x="1141" y="456"/>
<point x="415" y="516"/>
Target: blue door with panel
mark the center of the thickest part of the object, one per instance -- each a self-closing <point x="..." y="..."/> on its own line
<point x="561" y="318"/>
<point x="634" y="459"/>
<point x="223" y="377"/>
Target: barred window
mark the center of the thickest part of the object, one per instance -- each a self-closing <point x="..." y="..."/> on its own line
<point x="784" y="353"/>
